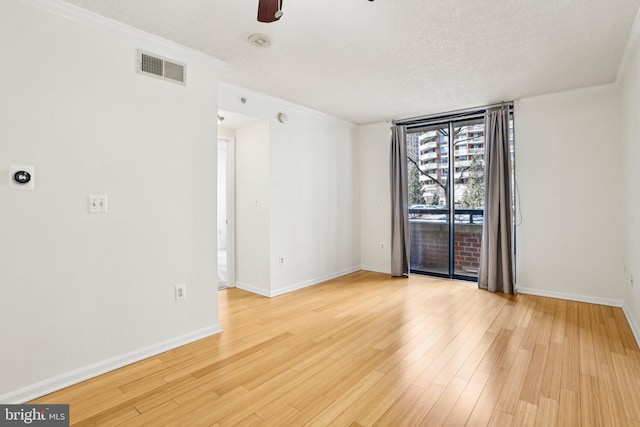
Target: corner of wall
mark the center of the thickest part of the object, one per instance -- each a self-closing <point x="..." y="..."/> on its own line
<point x="630" y="49"/>
<point x="633" y="323"/>
<point x="629" y="95"/>
<point x="311" y="282"/>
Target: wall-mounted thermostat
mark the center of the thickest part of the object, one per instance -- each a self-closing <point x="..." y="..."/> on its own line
<point x="22" y="177"/>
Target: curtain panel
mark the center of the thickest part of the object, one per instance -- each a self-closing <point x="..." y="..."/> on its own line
<point x="496" y="272"/>
<point x="399" y="203"/>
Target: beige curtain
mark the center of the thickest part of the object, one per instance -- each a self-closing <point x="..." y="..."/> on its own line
<point x="399" y="203"/>
<point x="496" y="260"/>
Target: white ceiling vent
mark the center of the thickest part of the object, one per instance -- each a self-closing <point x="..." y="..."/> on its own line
<point x="156" y="66"/>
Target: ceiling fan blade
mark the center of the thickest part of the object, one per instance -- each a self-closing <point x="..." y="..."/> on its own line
<point x="267" y="10"/>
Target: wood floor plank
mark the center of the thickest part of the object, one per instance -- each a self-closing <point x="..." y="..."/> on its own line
<point x="548" y="317"/>
<point x="156" y="417"/>
<point x="334" y="410"/>
<point x="467" y="400"/>
<point x="513" y="385"/>
<point x="500" y="419"/>
<point x="590" y="403"/>
<point x="532" y="384"/>
<point x="400" y="407"/>
<point x="552" y="375"/>
<point x="525" y="414"/>
<point x="612" y="334"/>
<point x="310" y="412"/>
<point x="610" y="391"/>
<point x="111" y="417"/>
<point x="391" y="390"/>
<point x="417" y="413"/>
<point x="206" y="407"/>
<point x="479" y="352"/>
<point x="445" y="403"/>
<point x="547" y="415"/>
<point x="559" y="322"/>
<point x="494" y="353"/>
<point x="585" y="336"/>
<point x="366" y="349"/>
<point x="569" y="410"/>
<point x="629" y="386"/>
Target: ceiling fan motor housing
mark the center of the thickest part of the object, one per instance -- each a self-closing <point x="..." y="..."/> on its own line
<point x="269" y="10"/>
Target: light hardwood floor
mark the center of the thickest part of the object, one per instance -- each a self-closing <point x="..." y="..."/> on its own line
<point x="366" y="349"/>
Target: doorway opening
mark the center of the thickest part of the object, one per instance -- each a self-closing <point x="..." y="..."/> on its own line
<point x="225" y="213"/>
<point x="242" y="142"/>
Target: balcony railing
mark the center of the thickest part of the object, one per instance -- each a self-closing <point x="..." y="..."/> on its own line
<point x="429" y="156"/>
<point x="441" y="215"/>
<point x="429" y="145"/>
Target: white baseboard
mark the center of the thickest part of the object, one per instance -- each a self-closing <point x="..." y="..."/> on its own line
<point x="252" y="288"/>
<point x="314" y="281"/>
<point x="56" y="383"/>
<point x="375" y="269"/>
<point x="571" y="297"/>
<point x="633" y="322"/>
<point x="276" y="292"/>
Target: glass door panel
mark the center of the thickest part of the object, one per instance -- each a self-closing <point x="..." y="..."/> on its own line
<point x="468" y="193"/>
<point x="429" y="215"/>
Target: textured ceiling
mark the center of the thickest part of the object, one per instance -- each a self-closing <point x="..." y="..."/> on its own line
<point x="368" y="61"/>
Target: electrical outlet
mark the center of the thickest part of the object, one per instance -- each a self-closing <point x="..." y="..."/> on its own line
<point x="281" y="259"/>
<point x="381" y="245"/>
<point x="181" y="291"/>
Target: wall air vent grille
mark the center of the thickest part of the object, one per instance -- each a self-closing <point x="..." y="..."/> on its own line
<point x="152" y="65"/>
<point x="156" y="66"/>
<point x="174" y="71"/>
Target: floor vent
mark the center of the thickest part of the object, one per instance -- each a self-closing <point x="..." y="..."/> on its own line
<point x="156" y="66"/>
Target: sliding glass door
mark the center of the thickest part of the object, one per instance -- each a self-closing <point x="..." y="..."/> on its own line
<point x="446" y="197"/>
<point x="429" y="217"/>
<point x="468" y="196"/>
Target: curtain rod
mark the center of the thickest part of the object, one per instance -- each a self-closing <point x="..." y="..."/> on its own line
<point x="450" y="113"/>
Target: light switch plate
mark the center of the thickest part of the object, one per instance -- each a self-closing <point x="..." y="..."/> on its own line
<point x="98" y="203"/>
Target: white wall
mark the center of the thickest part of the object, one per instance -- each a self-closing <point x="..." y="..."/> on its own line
<point x="84" y="293"/>
<point x="252" y="208"/>
<point x="374" y="143"/>
<point x="312" y="196"/>
<point x="630" y="95"/>
<point x="570" y="180"/>
<point x="568" y="165"/>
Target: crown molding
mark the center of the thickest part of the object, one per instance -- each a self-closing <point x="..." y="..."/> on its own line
<point x="84" y="16"/>
<point x="567" y="94"/>
<point x="229" y="91"/>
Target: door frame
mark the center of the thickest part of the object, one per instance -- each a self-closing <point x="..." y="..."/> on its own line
<point x="230" y="140"/>
<point x="452" y="211"/>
